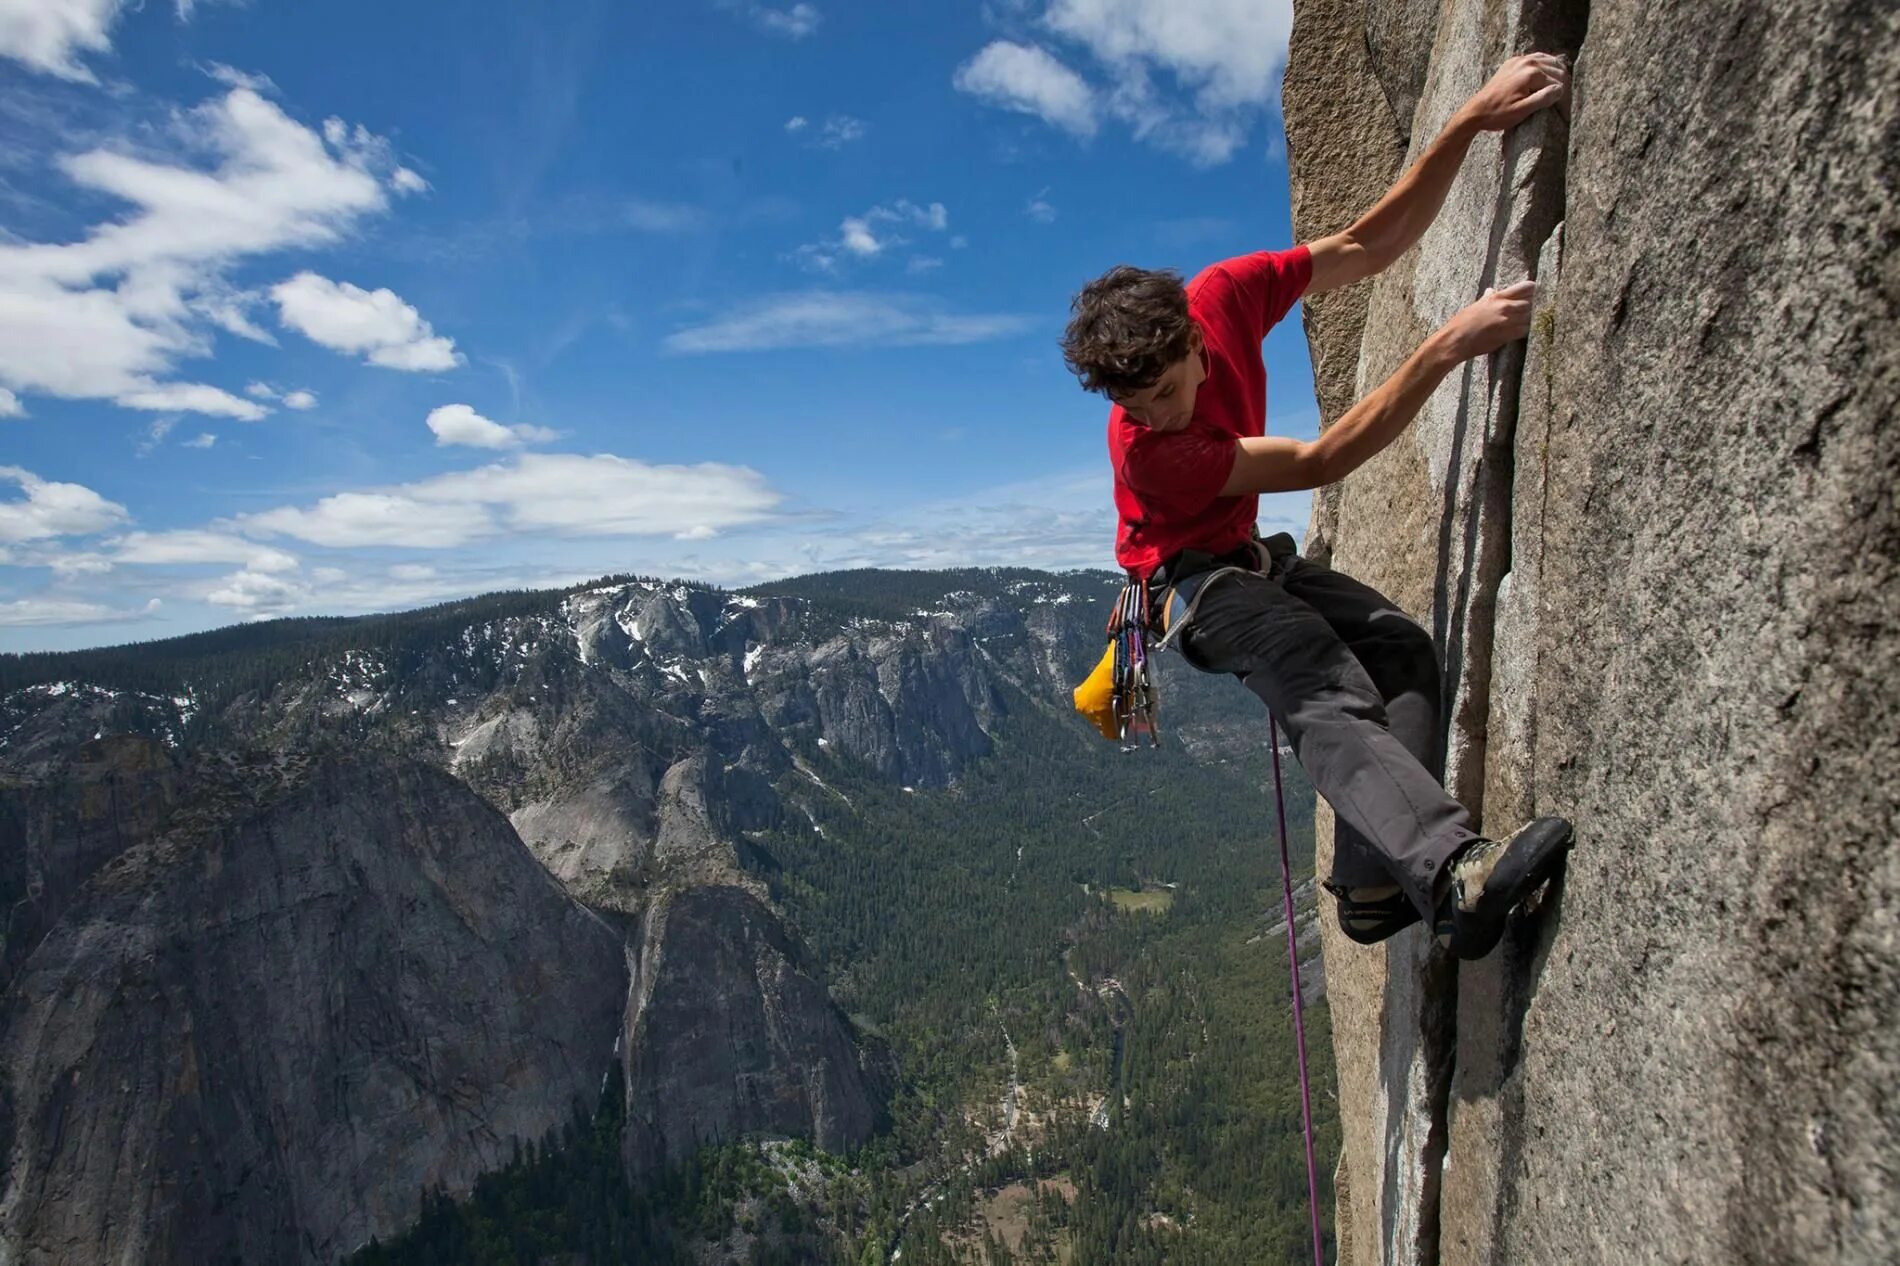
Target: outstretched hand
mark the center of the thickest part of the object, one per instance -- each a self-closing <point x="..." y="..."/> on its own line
<point x="1500" y="317"/>
<point x="1521" y="87"/>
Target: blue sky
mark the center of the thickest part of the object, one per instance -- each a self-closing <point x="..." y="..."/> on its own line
<point x="327" y="308"/>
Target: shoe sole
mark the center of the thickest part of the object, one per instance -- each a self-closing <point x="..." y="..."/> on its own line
<point x="1527" y="860"/>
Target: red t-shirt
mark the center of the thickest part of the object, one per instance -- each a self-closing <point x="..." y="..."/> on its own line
<point x="1167" y="486"/>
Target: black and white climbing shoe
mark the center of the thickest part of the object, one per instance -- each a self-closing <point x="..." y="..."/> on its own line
<point x="1490" y="877"/>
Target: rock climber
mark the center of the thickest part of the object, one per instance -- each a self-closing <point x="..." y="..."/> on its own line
<point x="1354" y="681"/>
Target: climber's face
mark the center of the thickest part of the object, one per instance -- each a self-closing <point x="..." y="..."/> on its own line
<point x="1168" y="403"/>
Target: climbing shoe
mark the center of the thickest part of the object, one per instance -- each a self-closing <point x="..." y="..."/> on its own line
<point x="1370" y="915"/>
<point x="1490" y="877"/>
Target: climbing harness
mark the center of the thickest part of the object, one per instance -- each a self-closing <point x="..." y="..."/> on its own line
<point x="1191" y="573"/>
<point x="1299" y="1001"/>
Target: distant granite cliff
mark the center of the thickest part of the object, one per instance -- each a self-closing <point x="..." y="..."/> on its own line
<point x="1658" y="551"/>
<point x="304" y="920"/>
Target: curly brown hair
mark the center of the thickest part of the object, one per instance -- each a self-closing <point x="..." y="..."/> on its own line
<point x="1128" y="326"/>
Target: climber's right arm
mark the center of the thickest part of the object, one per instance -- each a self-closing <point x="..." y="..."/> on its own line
<point x="1274" y="463"/>
<point x="1372" y="243"/>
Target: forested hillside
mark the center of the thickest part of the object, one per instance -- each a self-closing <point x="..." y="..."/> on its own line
<point x="1067" y="959"/>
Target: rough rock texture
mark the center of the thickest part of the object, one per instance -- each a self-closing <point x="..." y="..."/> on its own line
<point x="1659" y="559"/>
<point x="258" y="1034"/>
<point x="1344" y="146"/>
<point x="60" y="826"/>
<point x="771" y="1054"/>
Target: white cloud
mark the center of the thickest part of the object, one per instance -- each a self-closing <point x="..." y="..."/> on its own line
<point x="1228" y="52"/>
<point x="1028" y="79"/>
<point x="377" y="323"/>
<point x="837" y="131"/>
<point x="460" y="424"/>
<point x="10" y="406"/>
<point x="109" y="315"/>
<point x="562" y="494"/>
<point x="405" y="181"/>
<point x="822" y="318"/>
<point x="794" y="22"/>
<point x="646" y="216"/>
<point x="25" y="612"/>
<point x="299" y="399"/>
<point x="841" y="130"/>
<point x="232" y="77"/>
<point x="204" y="439"/>
<point x="186" y="8"/>
<point x="865" y="236"/>
<point x="49" y="35"/>
<point x="53" y="509"/>
<point x="259" y="595"/>
<point x="191" y="397"/>
<point x="163" y="549"/>
<point x="81" y="564"/>
<point x="1040" y="209"/>
<point x="155" y="434"/>
<point x="350" y="519"/>
<point x="230" y="311"/>
<point x="1189" y="76"/>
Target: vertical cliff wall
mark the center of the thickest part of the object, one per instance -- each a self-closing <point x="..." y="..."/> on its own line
<point x="1657" y="549"/>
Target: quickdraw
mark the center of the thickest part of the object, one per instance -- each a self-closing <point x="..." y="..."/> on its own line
<point x="1135" y="700"/>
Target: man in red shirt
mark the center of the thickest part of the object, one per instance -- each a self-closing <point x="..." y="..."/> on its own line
<point x="1354" y="681"/>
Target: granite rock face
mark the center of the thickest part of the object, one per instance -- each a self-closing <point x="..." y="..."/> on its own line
<point x="1657" y="548"/>
<point x="728" y="1032"/>
<point x="258" y="1033"/>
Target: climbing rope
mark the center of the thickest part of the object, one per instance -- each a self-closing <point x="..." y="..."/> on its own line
<point x="1299" y="1002"/>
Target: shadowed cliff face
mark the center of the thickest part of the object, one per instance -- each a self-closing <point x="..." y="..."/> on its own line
<point x="727" y="1032"/>
<point x="258" y="1034"/>
<point x="1657" y="549"/>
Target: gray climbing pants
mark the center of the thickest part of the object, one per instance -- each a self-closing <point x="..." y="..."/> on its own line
<point x="1355" y="683"/>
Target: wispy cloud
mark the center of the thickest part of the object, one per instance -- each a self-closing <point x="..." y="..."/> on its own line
<point x="109" y="316"/>
<point x="1030" y="80"/>
<point x="1189" y="76"/>
<point x="828" y="318"/>
<point x="558" y="494"/>
<point x="794" y="21"/>
<point x="155" y="435"/>
<point x="197" y="545"/>
<point x="839" y="131"/>
<point x="873" y="233"/>
<point x="298" y="399"/>
<point x="51" y="610"/>
<point x="645" y="215"/>
<point x="50" y="36"/>
<point x="1040" y="209"/>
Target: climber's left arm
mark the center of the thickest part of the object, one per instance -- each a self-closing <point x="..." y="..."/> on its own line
<point x="1522" y="86"/>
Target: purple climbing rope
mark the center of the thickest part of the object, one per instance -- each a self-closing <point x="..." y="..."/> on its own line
<point x="1299" y="1002"/>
